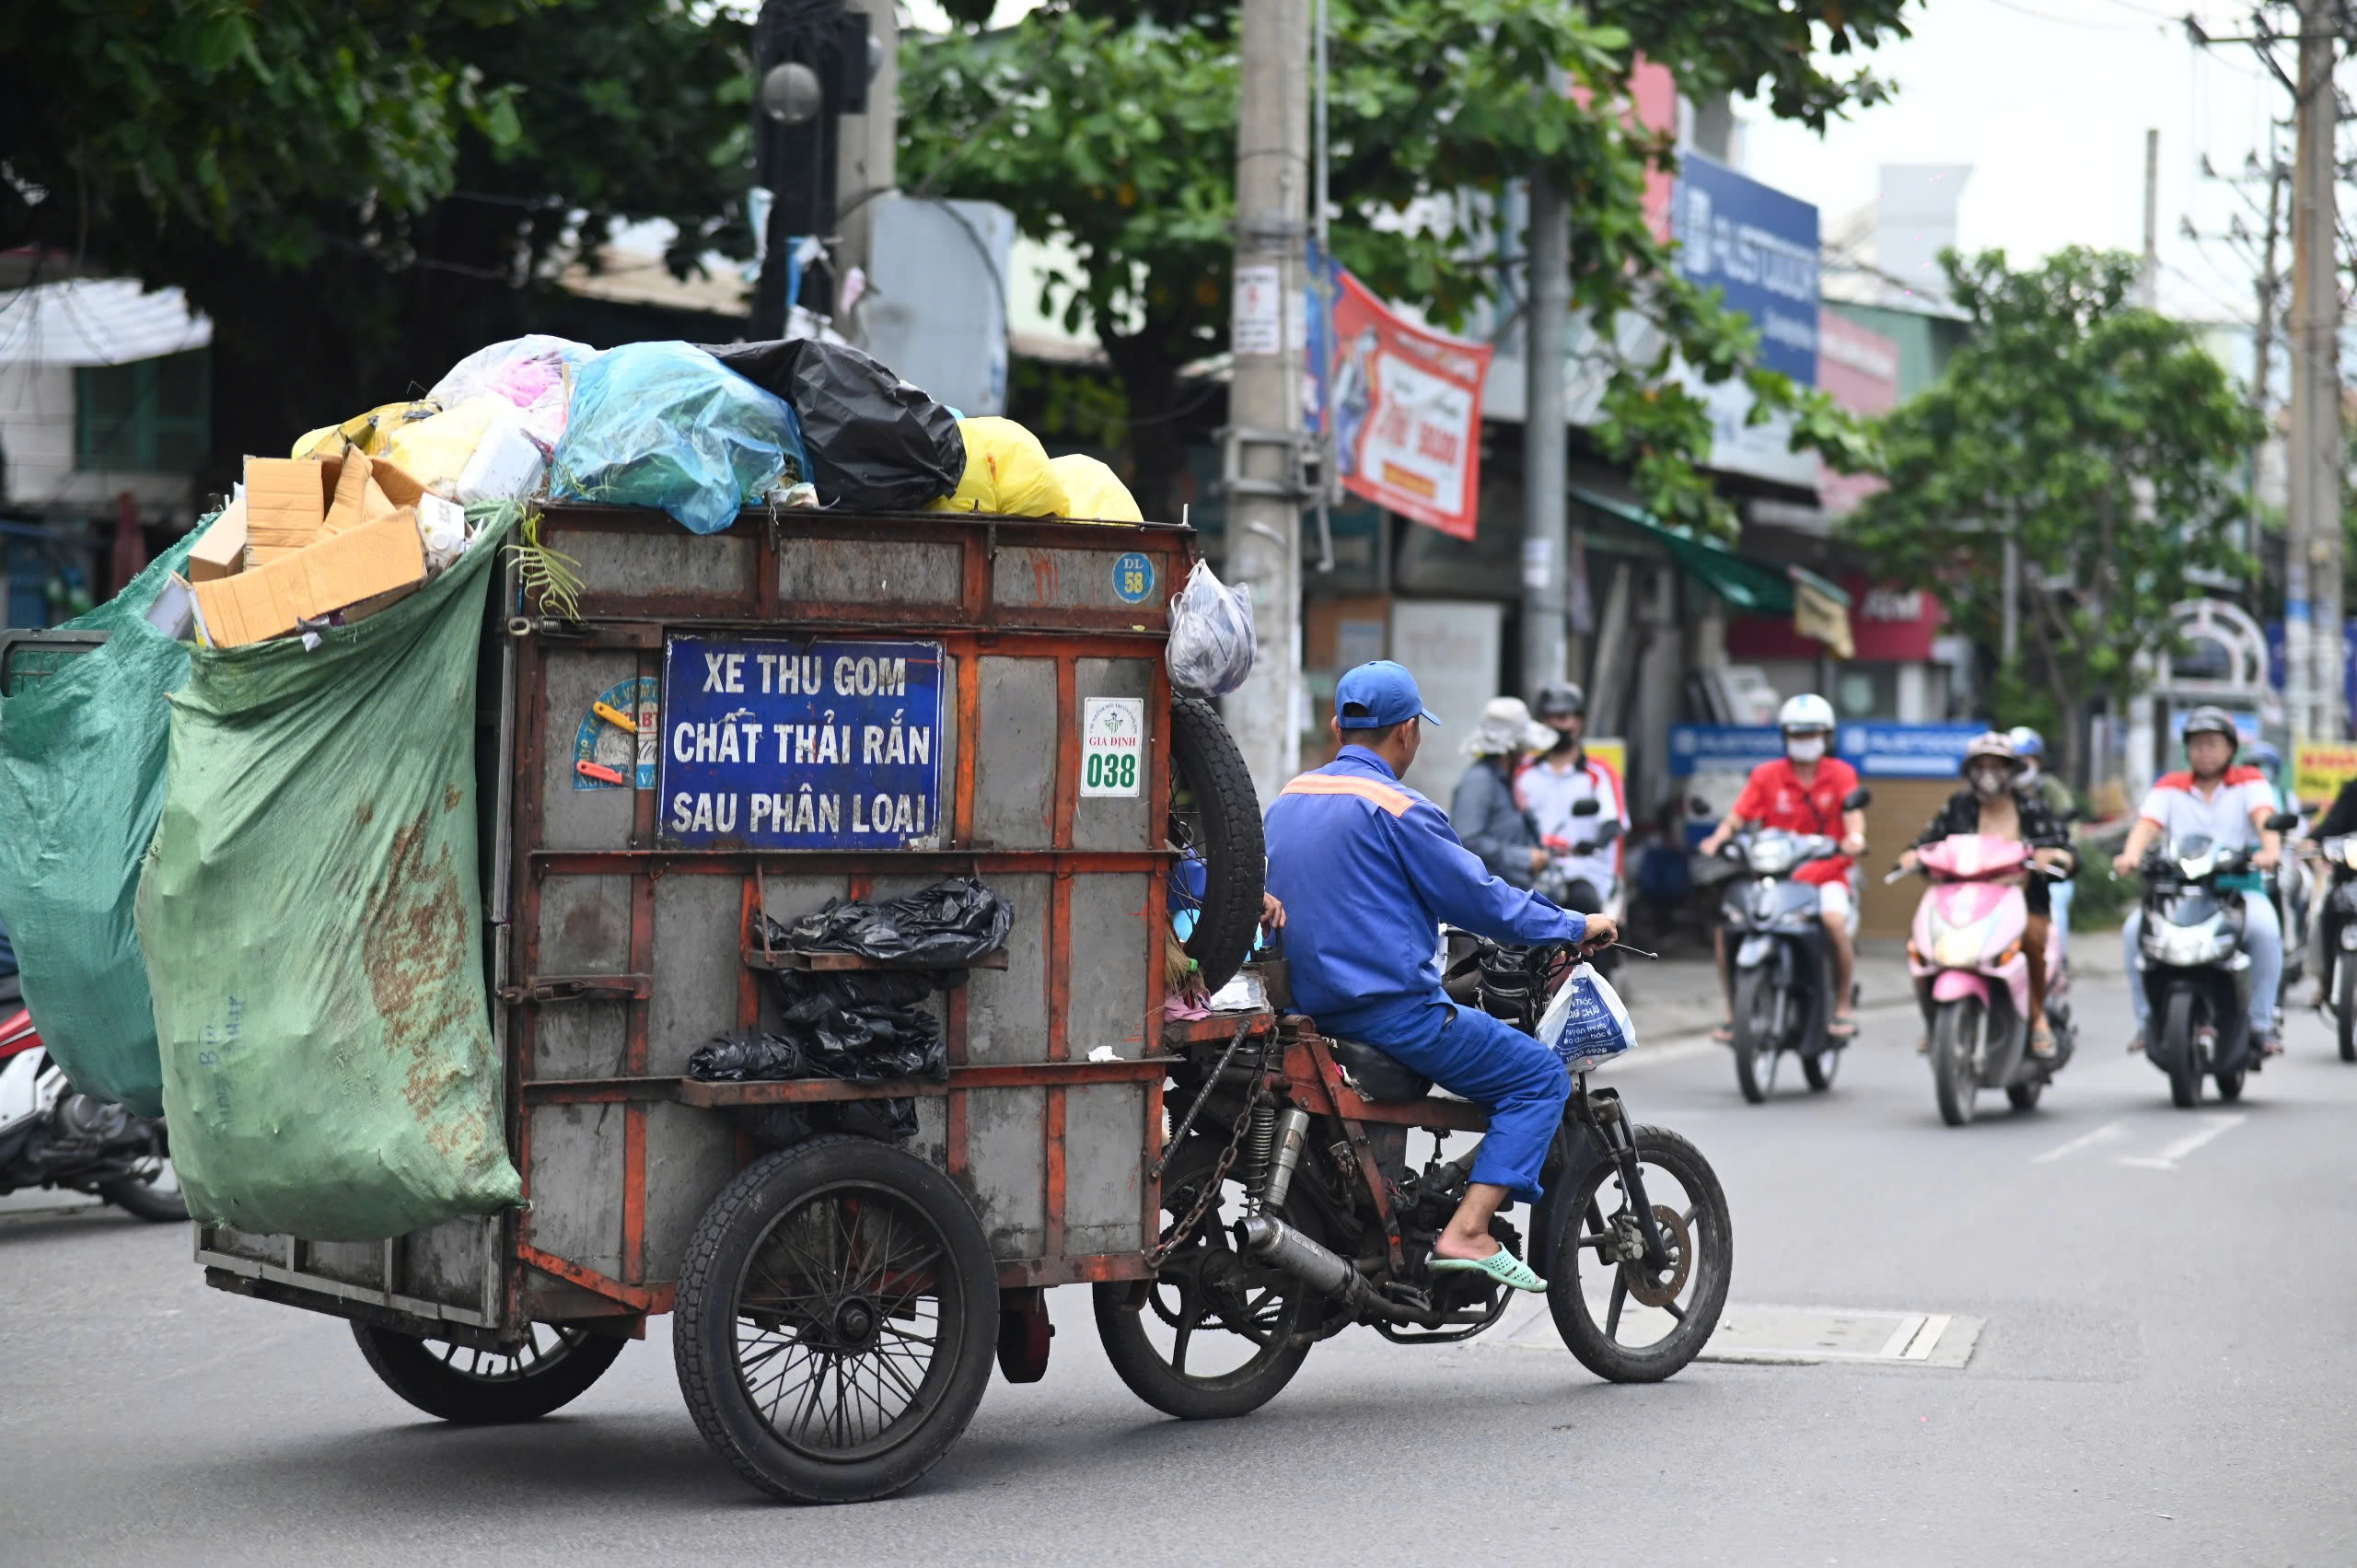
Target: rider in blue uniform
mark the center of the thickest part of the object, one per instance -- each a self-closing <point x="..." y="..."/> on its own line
<point x="1367" y="870"/>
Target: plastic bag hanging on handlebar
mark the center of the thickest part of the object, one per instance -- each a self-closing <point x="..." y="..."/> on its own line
<point x="1212" y="644"/>
<point x="1585" y="1024"/>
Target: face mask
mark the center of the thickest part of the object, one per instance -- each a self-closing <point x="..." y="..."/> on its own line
<point x="1988" y="781"/>
<point x="2029" y="772"/>
<point x="1805" y="749"/>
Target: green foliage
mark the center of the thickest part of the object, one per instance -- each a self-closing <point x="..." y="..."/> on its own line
<point x="2101" y="436"/>
<point x="1111" y="129"/>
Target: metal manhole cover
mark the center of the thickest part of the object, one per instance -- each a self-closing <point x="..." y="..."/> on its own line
<point x="1796" y="1335"/>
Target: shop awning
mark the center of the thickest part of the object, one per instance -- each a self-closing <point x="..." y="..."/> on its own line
<point x="1819" y="610"/>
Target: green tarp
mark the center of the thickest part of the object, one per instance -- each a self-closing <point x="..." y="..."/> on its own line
<point x="1760" y="586"/>
<point x="312" y="918"/>
<point x="81" y="780"/>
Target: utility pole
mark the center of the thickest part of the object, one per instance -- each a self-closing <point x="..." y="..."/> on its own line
<point x="2313" y="651"/>
<point x="867" y="159"/>
<point x="2148" y="276"/>
<point x="2270" y="287"/>
<point x="1546" y="341"/>
<point x="1262" y="462"/>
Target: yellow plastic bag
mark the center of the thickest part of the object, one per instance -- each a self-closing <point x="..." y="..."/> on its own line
<point x="434" y="451"/>
<point x="1094" y="493"/>
<point x="369" y="432"/>
<point x="1007" y="473"/>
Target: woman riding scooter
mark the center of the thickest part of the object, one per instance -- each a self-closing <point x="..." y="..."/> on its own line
<point x="1990" y="803"/>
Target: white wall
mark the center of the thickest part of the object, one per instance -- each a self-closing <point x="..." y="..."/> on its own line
<point x="37" y="437"/>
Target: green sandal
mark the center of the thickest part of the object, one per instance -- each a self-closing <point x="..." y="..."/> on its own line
<point x="1502" y="1266"/>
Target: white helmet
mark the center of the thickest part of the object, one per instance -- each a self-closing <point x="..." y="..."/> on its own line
<point x="1807" y="711"/>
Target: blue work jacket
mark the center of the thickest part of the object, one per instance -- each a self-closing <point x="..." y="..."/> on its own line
<point x="1367" y="870"/>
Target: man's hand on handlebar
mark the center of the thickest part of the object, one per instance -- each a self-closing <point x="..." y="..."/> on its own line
<point x="2124" y="865"/>
<point x="1602" y="932"/>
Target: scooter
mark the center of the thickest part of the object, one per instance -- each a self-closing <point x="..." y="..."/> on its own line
<point x="2192" y="962"/>
<point x="2337" y="950"/>
<point x="53" y="1135"/>
<point x="1965" y="951"/>
<point x="1782" y="963"/>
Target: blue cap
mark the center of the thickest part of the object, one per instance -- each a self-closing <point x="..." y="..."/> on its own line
<point x="1377" y="695"/>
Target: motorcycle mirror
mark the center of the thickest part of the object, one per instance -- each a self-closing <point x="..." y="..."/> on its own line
<point x="1858" y="799"/>
<point x="1588" y="807"/>
<point x="1698" y="805"/>
<point x="2281" y="822"/>
<point x="1608" y="832"/>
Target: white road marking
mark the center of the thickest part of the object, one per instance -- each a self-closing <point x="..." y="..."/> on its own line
<point x="2168" y="1157"/>
<point x="2108" y="1130"/>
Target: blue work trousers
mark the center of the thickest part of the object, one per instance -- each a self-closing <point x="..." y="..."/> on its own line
<point x="1521" y="1083"/>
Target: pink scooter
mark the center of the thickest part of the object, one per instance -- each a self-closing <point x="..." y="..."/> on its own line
<point x="1966" y="944"/>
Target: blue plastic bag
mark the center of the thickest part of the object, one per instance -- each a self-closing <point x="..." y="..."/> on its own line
<point x="1585" y="1024"/>
<point x="666" y="425"/>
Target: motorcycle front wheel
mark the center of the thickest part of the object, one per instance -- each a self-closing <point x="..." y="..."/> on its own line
<point x="151" y="1193"/>
<point x="2180" y="1018"/>
<point x="1956" y="1065"/>
<point x="1627" y="1322"/>
<point x="1756" y="1038"/>
<point x="2345" y="994"/>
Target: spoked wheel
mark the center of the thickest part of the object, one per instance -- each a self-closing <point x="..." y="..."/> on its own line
<point x="1627" y="1321"/>
<point x="1213" y="1337"/>
<point x="1757" y="1037"/>
<point x="1957" y="1031"/>
<point x="551" y="1368"/>
<point x="2180" y="1021"/>
<point x="1214" y="821"/>
<point x="838" y="1315"/>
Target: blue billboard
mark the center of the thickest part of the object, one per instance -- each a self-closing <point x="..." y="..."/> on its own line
<point x="1760" y="246"/>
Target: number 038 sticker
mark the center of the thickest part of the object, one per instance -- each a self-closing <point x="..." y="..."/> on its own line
<point x="1112" y="745"/>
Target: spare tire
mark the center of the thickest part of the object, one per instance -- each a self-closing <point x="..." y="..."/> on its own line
<point x="1215" y="817"/>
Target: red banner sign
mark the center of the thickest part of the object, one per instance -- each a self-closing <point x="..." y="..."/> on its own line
<point x="1407" y="406"/>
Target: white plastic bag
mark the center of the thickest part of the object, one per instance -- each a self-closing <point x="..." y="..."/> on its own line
<point x="1212" y="646"/>
<point x="1585" y="1024"/>
<point x="529" y="372"/>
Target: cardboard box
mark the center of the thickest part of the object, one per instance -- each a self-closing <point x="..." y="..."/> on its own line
<point x="220" y="551"/>
<point x="364" y="489"/>
<point x="286" y="500"/>
<point x="376" y="562"/>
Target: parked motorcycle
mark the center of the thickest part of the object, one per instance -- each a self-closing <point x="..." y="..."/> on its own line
<point x="1292" y="1212"/>
<point x="2192" y="965"/>
<point x="1781" y="960"/>
<point x="2337" y="953"/>
<point x="53" y="1135"/>
<point x="1965" y="948"/>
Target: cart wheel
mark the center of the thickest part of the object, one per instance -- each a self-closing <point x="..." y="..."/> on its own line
<point x="1218" y="1332"/>
<point x="475" y="1387"/>
<point x="837" y="1316"/>
<point x="1215" y="815"/>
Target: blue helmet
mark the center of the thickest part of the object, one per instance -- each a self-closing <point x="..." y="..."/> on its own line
<point x="2026" y="741"/>
<point x="2262" y="755"/>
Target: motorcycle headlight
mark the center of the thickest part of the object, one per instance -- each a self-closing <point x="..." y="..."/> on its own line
<point x="2184" y="946"/>
<point x="1771" y="859"/>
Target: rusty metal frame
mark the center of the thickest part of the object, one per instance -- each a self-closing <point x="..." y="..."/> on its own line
<point x="967" y="629"/>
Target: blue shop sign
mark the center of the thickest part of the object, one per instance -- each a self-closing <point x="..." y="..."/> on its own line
<point x="801" y="744"/>
<point x="1722" y="748"/>
<point x="1760" y="246"/>
<point x="1905" y="751"/>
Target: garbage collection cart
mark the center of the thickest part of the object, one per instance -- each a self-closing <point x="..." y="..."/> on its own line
<point x="801" y="708"/>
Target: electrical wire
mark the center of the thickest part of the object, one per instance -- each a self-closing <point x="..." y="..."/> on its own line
<point x="2061" y="21"/>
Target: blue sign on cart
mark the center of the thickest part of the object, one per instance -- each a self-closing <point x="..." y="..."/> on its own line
<point x="817" y="744"/>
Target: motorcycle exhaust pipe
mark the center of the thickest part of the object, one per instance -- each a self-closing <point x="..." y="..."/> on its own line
<point x="1280" y="1246"/>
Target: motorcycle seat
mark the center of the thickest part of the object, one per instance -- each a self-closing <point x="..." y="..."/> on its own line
<point x="1376" y="1075"/>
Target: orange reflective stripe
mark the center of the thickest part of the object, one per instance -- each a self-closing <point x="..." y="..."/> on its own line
<point x="1392" y="800"/>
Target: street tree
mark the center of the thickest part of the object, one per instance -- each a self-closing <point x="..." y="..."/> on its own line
<point x="2101" y="437"/>
<point x="359" y="194"/>
<point x="1111" y="129"/>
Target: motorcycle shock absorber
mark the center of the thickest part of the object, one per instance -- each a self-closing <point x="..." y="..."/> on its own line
<point x="1259" y="1152"/>
<point x="1291" y="1132"/>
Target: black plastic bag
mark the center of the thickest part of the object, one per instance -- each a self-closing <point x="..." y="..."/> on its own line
<point x="756" y="1058"/>
<point x="953" y="922"/>
<point x="876" y="442"/>
<point x="783" y="1126"/>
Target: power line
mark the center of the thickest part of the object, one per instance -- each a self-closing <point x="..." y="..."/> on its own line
<point x="2066" y="21"/>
